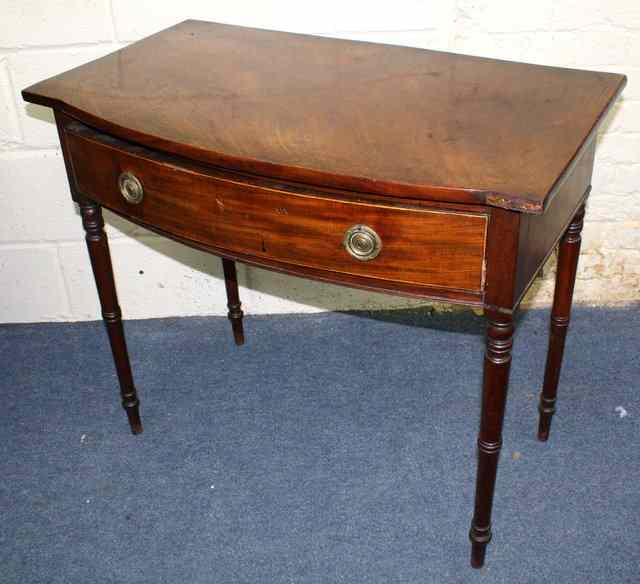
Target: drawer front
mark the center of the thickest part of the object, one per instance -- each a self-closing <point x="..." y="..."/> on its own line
<point x="418" y="246"/>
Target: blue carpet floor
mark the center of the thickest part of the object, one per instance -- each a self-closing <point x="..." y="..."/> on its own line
<point x="330" y="448"/>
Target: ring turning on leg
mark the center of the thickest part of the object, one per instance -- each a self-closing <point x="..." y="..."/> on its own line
<point x="233" y="300"/>
<point x="98" y="247"/>
<point x="568" y="252"/>
<point x="497" y="362"/>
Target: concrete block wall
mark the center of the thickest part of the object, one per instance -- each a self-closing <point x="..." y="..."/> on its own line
<point x="44" y="269"/>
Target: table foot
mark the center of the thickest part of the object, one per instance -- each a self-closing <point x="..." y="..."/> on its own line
<point x="237" y="327"/>
<point x="547" y="408"/>
<point x="478" y="552"/>
<point x="133" y="414"/>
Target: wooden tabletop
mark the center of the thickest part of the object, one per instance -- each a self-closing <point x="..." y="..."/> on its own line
<point x="360" y="116"/>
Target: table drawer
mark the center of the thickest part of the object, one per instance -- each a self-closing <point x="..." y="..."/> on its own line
<point x="283" y="223"/>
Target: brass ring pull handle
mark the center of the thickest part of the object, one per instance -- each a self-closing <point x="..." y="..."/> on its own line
<point x="362" y="242"/>
<point x="131" y="188"/>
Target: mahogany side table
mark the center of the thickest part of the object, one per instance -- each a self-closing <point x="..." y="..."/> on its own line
<point x="412" y="172"/>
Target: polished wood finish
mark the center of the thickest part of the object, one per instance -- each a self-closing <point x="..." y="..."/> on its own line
<point x="497" y="362"/>
<point x="359" y="116"/>
<point x="266" y="147"/>
<point x="472" y="299"/>
<point x="302" y="228"/>
<point x="233" y="300"/>
<point x="539" y="234"/>
<point x="98" y="247"/>
<point x="502" y="261"/>
<point x="62" y="120"/>
<point x="568" y="253"/>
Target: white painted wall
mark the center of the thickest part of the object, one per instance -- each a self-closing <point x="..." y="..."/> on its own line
<point x="44" y="271"/>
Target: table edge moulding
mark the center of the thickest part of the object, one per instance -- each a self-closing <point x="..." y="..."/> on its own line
<point x="406" y="171"/>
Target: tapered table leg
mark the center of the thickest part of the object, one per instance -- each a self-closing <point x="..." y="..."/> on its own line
<point x="497" y="362"/>
<point x="233" y="300"/>
<point x="98" y="247"/>
<point x="568" y="253"/>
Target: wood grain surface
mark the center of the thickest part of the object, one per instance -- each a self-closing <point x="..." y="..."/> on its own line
<point x="421" y="246"/>
<point x="359" y="116"/>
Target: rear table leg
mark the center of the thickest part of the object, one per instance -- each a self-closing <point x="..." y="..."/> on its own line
<point x="233" y="300"/>
<point x="568" y="253"/>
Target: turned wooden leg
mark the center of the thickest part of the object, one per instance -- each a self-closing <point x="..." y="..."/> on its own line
<point x="233" y="300"/>
<point x="98" y="247"/>
<point x="497" y="362"/>
<point x="568" y="253"/>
